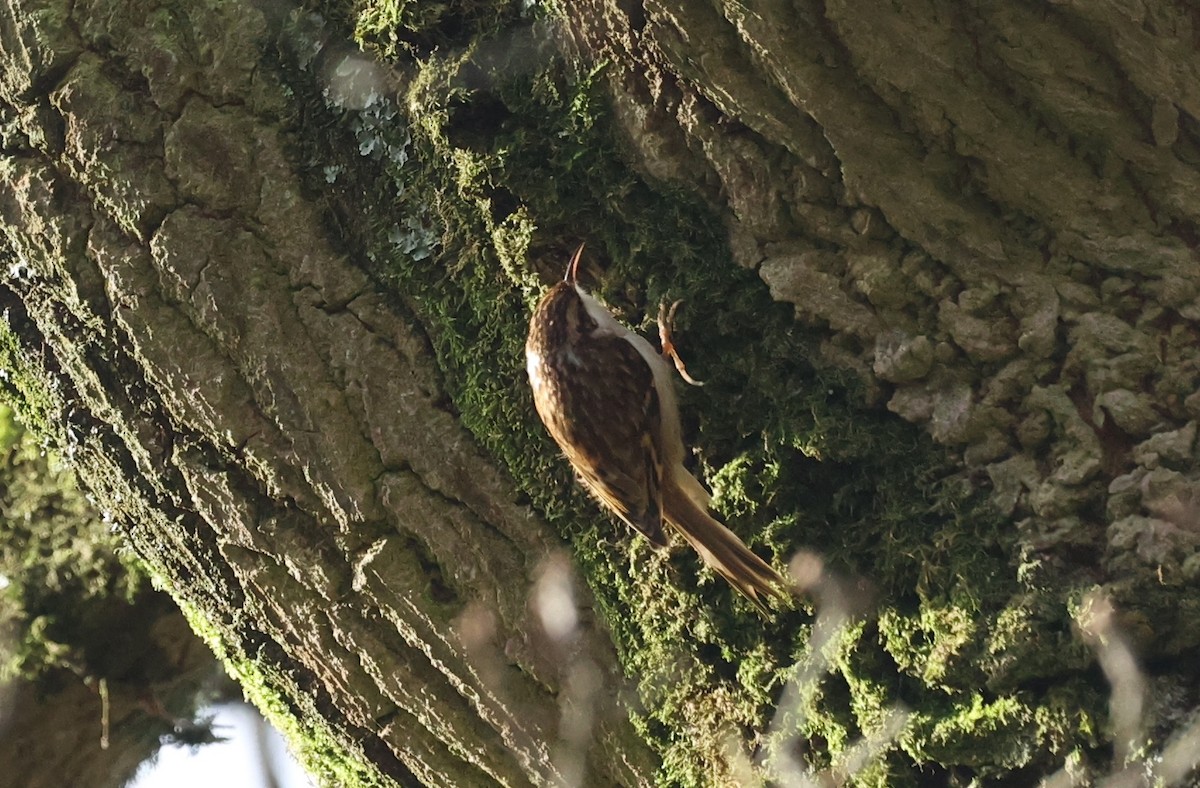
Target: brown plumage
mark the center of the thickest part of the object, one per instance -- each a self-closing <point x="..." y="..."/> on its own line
<point x="608" y="400"/>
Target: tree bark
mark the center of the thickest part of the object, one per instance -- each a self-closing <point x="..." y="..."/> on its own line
<point x="274" y="315"/>
<point x="270" y="434"/>
<point x="991" y="215"/>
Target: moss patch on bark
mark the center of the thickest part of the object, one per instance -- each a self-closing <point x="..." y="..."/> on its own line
<point x="490" y="159"/>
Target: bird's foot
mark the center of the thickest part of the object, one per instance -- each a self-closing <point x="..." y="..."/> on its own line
<point x="666" y="321"/>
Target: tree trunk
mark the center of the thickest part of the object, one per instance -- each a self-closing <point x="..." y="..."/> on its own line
<point x="270" y="298"/>
<point x="270" y="434"/>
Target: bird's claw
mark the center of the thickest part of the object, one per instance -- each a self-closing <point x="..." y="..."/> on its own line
<point x="666" y="320"/>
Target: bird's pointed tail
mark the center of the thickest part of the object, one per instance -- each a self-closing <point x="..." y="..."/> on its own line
<point x="721" y="549"/>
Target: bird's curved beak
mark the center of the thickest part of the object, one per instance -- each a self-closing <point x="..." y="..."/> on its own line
<point x="573" y="266"/>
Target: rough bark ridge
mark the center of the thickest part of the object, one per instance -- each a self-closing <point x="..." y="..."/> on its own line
<point x="992" y="211"/>
<point x="241" y="399"/>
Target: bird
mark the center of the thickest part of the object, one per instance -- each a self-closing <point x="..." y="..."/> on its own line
<point x="607" y="398"/>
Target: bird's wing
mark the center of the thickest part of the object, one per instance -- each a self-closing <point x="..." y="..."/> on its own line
<point x="613" y="418"/>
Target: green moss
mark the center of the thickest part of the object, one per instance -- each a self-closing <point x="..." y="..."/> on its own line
<point x="412" y="27"/>
<point x="492" y="166"/>
<point x="930" y="644"/>
<point x="24" y="386"/>
<point x="965" y="733"/>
